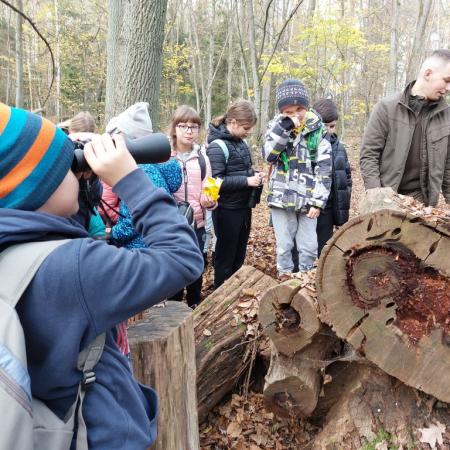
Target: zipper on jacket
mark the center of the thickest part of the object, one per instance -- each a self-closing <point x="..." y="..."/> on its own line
<point x="15" y="391"/>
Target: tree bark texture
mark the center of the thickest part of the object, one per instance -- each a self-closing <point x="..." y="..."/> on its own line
<point x="293" y="383"/>
<point x="383" y="284"/>
<point x="19" y="57"/>
<point x="368" y="400"/>
<point x="222" y="347"/>
<point x="142" y="29"/>
<point x="163" y="356"/>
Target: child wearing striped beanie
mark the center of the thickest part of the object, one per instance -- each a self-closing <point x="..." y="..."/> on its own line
<point x="35" y="157"/>
<point x="81" y="289"/>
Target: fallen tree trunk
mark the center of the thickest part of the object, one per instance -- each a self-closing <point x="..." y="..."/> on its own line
<point x="226" y="332"/>
<point x="293" y="383"/>
<point x="163" y="357"/>
<point x="368" y="402"/>
<point x="383" y="284"/>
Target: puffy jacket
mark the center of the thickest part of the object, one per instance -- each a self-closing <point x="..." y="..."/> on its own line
<point x="86" y="287"/>
<point x="301" y="176"/>
<point x="195" y="196"/>
<point x="341" y="185"/>
<point x="387" y="140"/>
<point x="166" y="176"/>
<point x="234" y="191"/>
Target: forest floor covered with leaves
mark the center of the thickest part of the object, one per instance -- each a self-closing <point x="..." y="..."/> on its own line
<point x="241" y="422"/>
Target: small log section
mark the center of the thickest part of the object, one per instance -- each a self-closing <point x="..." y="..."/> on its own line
<point x="383" y="285"/>
<point x="163" y="357"/>
<point x="289" y="317"/>
<point x="225" y="334"/>
<point x="293" y="383"/>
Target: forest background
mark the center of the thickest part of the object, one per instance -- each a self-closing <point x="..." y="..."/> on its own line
<point x="214" y="51"/>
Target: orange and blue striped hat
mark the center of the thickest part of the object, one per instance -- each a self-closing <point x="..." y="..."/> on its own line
<point x="35" y="156"/>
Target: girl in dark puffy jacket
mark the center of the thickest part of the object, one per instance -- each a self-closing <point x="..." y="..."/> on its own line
<point x="336" y="211"/>
<point x="231" y="161"/>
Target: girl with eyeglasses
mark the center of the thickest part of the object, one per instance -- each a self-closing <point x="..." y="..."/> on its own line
<point x="184" y="131"/>
<point x="231" y="161"/>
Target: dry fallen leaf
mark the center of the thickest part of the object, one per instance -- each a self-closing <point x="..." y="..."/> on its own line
<point x="381" y="446"/>
<point x="234" y="429"/>
<point x="246" y="303"/>
<point x="433" y="435"/>
<point x="206" y="332"/>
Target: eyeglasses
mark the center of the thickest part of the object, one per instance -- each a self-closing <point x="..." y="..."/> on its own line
<point x="185" y="128"/>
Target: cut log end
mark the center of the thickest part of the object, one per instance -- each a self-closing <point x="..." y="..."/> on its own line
<point x="288" y="316"/>
<point x="383" y="284"/>
<point x="290" y="398"/>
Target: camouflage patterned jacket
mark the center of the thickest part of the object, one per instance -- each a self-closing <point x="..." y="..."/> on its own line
<point x="301" y="163"/>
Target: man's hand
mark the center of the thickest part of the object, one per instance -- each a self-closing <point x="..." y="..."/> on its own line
<point x="110" y="162"/>
<point x="313" y="212"/>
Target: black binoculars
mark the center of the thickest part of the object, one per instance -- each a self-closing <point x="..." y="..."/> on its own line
<point x="151" y="149"/>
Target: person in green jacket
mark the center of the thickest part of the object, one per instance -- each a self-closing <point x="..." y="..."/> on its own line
<point x="406" y="142"/>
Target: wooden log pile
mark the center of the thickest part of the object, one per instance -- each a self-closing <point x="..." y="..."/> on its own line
<point x="357" y="355"/>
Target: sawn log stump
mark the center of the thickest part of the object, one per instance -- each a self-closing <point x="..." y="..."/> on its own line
<point x="383" y="285"/>
<point x="163" y="357"/>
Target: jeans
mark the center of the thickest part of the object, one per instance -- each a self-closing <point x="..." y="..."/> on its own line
<point x="294" y="227"/>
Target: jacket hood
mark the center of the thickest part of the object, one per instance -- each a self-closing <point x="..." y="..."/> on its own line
<point x="220" y="132"/>
<point x="24" y="226"/>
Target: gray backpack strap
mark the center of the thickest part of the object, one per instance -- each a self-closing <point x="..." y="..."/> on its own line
<point x="224" y="148"/>
<point x="19" y="265"/>
<point x="87" y="360"/>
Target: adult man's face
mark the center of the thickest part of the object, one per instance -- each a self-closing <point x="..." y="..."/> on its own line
<point x="437" y="82"/>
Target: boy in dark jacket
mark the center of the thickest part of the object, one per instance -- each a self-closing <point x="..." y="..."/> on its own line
<point x="336" y="211"/>
<point x="86" y="287"/>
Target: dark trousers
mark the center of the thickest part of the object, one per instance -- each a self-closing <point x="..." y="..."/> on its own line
<point x="232" y="228"/>
<point x="324" y="228"/>
<point x="193" y="290"/>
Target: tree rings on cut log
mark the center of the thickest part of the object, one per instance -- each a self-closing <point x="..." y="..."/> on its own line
<point x="289" y="317"/>
<point x="383" y="284"/>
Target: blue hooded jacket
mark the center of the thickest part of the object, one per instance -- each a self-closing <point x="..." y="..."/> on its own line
<point x="84" y="288"/>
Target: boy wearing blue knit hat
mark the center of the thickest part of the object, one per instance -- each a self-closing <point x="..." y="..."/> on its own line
<point x="62" y="311"/>
<point x="300" y="179"/>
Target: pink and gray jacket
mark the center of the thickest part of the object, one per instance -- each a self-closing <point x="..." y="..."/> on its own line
<point x="191" y="172"/>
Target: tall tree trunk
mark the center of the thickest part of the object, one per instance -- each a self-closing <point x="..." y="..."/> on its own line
<point x="211" y="49"/>
<point x="143" y="29"/>
<point x="393" y="53"/>
<point x="311" y="9"/>
<point x="416" y="50"/>
<point x="8" y="71"/>
<point x="19" y="57"/>
<point x="254" y="62"/>
<point x="115" y="48"/>
<point x="58" y="63"/>
<point x="230" y="61"/>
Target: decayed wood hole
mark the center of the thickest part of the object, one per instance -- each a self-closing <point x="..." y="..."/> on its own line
<point x="420" y="294"/>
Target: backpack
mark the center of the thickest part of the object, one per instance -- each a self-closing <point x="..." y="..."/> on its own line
<point x="224" y="148"/>
<point x="27" y="423"/>
<point x="202" y="164"/>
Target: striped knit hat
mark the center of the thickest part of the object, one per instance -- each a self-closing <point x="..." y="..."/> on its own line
<point x="35" y="156"/>
<point x="292" y="92"/>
